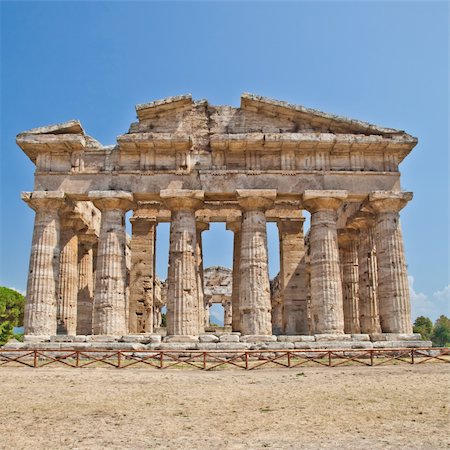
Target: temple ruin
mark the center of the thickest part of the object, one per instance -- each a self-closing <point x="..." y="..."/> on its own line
<point x="191" y="164"/>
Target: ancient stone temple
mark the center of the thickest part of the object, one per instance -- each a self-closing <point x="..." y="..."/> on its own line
<point x="191" y="163"/>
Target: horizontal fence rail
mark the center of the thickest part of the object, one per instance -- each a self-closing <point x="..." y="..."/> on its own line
<point x="219" y="359"/>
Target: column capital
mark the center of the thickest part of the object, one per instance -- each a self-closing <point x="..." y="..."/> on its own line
<point x="87" y="239"/>
<point x="105" y="200"/>
<point x="179" y="199"/>
<point x="362" y="220"/>
<point x="387" y="201"/>
<point x="146" y="211"/>
<point x="347" y="236"/>
<point x="234" y="226"/>
<point x="318" y="200"/>
<point x="201" y="225"/>
<point x="48" y="200"/>
<point x="291" y="225"/>
<point x="256" y="199"/>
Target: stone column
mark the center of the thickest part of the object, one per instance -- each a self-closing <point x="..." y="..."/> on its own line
<point x="182" y="294"/>
<point x="368" y="280"/>
<point x="227" y="313"/>
<point x="43" y="274"/>
<point x="393" y="289"/>
<point x="255" y="304"/>
<point x="293" y="276"/>
<point x="200" y="228"/>
<point x="326" y="286"/>
<point x="235" y="227"/>
<point x="85" y="298"/>
<point x="110" y="288"/>
<point x="348" y="251"/>
<point x="142" y="274"/>
<point x="68" y="281"/>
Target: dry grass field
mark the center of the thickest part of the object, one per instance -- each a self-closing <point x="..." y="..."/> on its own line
<point x="387" y="407"/>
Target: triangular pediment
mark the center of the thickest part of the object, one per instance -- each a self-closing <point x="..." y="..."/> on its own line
<point x="308" y="119"/>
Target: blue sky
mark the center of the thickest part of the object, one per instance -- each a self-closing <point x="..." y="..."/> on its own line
<point x="382" y="62"/>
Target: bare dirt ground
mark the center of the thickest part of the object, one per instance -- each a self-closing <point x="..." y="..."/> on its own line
<point x="387" y="407"/>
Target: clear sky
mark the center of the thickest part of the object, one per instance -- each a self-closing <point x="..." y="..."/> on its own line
<point x="382" y="62"/>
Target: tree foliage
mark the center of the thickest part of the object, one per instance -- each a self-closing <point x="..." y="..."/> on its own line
<point x="12" y="305"/>
<point x="441" y="332"/>
<point x="424" y="326"/>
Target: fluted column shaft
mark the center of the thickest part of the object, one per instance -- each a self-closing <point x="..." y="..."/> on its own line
<point x="235" y="227"/>
<point x="227" y="313"/>
<point x="393" y="289"/>
<point x="255" y="303"/>
<point x="368" y="283"/>
<point x="182" y="294"/>
<point x="326" y="286"/>
<point x="85" y="302"/>
<point x="350" y="280"/>
<point x="200" y="227"/>
<point x="68" y="283"/>
<point x="43" y="275"/>
<point x="110" y="303"/>
<point x="142" y="274"/>
<point x="293" y="277"/>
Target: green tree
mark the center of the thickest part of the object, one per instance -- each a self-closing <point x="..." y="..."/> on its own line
<point x="441" y="332"/>
<point x="12" y="304"/>
<point x="424" y="326"/>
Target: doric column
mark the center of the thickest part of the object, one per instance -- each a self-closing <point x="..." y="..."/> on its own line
<point x="43" y="274"/>
<point x="348" y="254"/>
<point x="142" y="274"/>
<point x="200" y="228"/>
<point x="110" y="288"/>
<point x="85" y="300"/>
<point x="293" y="276"/>
<point x="255" y="305"/>
<point x="235" y="227"/>
<point x="227" y="313"/>
<point x="393" y="289"/>
<point x="326" y="287"/>
<point x="367" y="268"/>
<point x="68" y="281"/>
<point x="182" y="294"/>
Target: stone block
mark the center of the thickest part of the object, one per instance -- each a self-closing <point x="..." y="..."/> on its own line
<point x="325" y="345"/>
<point x="401" y="344"/>
<point x="395" y="337"/>
<point x="208" y="338"/>
<point x="272" y="346"/>
<point x="304" y="345"/>
<point x="258" y="338"/>
<point x="360" y="337"/>
<point x="67" y="346"/>
<point x="82" y="338"/>
<point x="141" y="338"/>
<point x="62" y="338"/>
<point x="332" y="337"/>
<point x="15" y="345"/>
<point x="36" y="338"/>
<point x="104" y="338"/>
<point x="180" y="339"/>
<point x="296" y="338"/>
<point x="232" y="346"/>
<point x="229" y="338"/>
<point x="178" y="346"/>
<point x="362" y="345"/>
<point x="207" y="346"/>
<point x="44" y="346"/>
